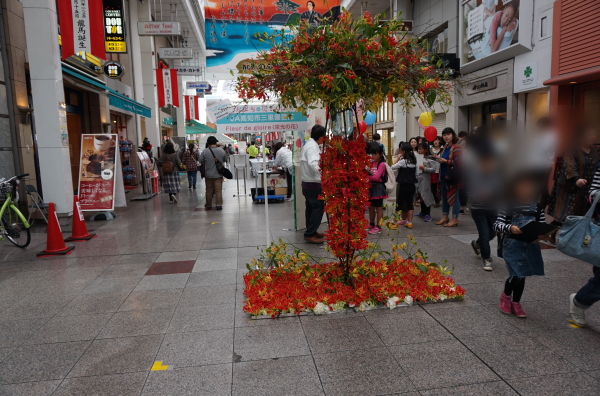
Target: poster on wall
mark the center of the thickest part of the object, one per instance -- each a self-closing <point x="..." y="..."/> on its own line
<point x="489" y="26"/>
<point x="231" y="26"/>
<point x="97" y="168"/>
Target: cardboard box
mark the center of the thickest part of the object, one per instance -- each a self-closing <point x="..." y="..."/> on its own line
<point x="280" y="190"/>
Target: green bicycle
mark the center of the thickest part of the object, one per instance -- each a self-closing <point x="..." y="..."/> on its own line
<point x="14" y="226"/>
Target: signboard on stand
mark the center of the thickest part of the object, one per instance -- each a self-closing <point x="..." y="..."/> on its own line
<point x="97" y="172"/>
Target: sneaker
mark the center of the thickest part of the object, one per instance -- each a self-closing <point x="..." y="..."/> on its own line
<point x="170" y="202"/>
<point x="194" y="187"/>
<point x="375" y="230"/>
<point x="190" y="187"/>
<point x="174" y="199"/>
<point x="370" y="227"/>
<point x="487" y="264"/>
<point x="289" y="199"/>
<point x="476" y="248"/>
<point x="420" y="214"/>
<point x="577" y="314"/>
<point x="402" y="222"/>
<point x="427" y="219"/>
<point x="408" y="225"/>
<point x="517" y="310"/>
<point x="505" y="303"/>
<point x="219" y="208"/>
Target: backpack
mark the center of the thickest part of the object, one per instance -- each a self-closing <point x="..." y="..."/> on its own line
<point x="168" y="166"/>
<point x="389" y="179"/>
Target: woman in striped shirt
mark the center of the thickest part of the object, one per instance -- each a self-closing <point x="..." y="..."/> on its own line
<point x="522" y="259"/>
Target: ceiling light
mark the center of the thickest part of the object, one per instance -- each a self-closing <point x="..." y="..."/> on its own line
<point x="573" y="82"/>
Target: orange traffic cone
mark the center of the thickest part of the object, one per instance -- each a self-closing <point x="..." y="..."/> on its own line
<point x="80" y="232"/>
<point x="54" y="243"/>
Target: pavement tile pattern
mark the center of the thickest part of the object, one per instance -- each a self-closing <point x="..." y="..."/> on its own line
<point x="164" y="283"/>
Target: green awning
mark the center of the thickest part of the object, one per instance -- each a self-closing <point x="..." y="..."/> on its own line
<point x="115" y="99"/>
<point x="193" y="127"/>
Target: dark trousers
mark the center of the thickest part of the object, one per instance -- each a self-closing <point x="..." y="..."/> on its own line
<point x="434" y="187"/>
<point x="192" y="176"/>
<point x="590" y="293"/>
<point x="484" y="220"/>
<point x="288" y="177"/>
<point x="426" y="210"/>
<point x="314" y="211"/>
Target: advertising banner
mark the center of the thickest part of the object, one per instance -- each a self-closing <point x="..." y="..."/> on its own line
<point x="257" y="119"/>
<point x="231" y="26"/>
<point x="81" y="27"/>
<point x="114" y="26"/>
<point x="219" y="110"/>
<point x="490" y="26"/>
<point x="167" y="87"/>
<point x="97" y="171"/>
<point x="159" y="29"/>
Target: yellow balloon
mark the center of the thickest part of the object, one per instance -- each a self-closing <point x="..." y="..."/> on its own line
<point x="425" y="118"/>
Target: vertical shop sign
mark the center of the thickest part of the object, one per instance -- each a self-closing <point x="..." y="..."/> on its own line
<point x="81" y="27"/>
<point x="97" y="172"/>
<point x="114" y="26"/>
<point x="191" y="107"/>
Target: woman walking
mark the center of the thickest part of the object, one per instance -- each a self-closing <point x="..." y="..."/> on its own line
<point x="377" y="192"/>
<point x="190" y="161"/>
<point x="170" y="164"/>
<point x="450" y="184"/>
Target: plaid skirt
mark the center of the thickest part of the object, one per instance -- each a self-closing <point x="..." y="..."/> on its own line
<point x="171" y="183"/>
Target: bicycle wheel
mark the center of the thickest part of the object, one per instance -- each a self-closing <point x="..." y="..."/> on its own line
<point x="16" y="232"/>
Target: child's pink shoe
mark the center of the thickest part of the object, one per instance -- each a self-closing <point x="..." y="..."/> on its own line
<point x="517" y="310"/>
<point x="505" y="303"/>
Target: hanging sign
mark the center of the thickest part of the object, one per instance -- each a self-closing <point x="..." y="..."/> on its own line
<point x="199" y="93"/>
<point x="167" y="88"/>
<point x="219" y="110"/>
<point x="188" y="70"/>
<point x="262" y="118"/>
<point x="159" y="29"/>
<point x="97" y="172"/>
<point x="175" y="53"/>
<point x="113" y="69"/>
<point x="114" y="26"/>
<point x="191" y="107"/>
<point x="197" y="84"/>
<point x="82" y="27"/>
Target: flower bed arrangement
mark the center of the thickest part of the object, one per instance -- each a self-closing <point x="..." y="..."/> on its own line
<point x="294" y="285"/>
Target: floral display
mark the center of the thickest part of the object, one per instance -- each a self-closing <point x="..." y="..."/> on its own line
<point x="294" y="285"/>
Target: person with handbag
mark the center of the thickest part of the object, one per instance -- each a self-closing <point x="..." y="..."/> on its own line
<point x="190" y="161"/>
<point x="213" y="158"/>
<point x="450" y="182"/>
<point x="424" y="173"/>
<point x="589" y="294"/>
<point x="377" y="191"/>
<point x="170" y="165"/>
<point x="523" y="259"/>
<point x="437" y="146"/>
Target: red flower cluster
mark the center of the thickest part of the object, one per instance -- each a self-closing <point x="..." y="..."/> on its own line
<point x="297" y="289"/>
<point x="346" y="194"/>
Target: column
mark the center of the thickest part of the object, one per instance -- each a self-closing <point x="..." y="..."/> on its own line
<point x="144" y="63"/>
<point x="47" y="87"/>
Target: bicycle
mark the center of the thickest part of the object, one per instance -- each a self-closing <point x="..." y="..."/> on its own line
<point x="14" y="225"/>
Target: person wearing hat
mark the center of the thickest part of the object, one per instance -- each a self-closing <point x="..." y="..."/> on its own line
<point x="213" y="179"/>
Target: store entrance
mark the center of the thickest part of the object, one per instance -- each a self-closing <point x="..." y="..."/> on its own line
<point x="74" y="107"/>
<point x="494" y="113"/>
<point x="587" y="99"/>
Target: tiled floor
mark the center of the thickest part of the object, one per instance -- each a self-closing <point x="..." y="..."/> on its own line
<point x="164" y="283"/>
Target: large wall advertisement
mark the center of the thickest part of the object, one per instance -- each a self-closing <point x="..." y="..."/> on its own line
<point x="231" y="26"/>
<point x="490" y="26"/>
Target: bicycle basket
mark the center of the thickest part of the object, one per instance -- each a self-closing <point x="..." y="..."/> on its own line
<point x="5" y="189"/>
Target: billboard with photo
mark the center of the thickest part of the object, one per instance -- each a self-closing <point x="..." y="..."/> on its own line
<point x="489" y="26"/>
<point x="231" y="26"/>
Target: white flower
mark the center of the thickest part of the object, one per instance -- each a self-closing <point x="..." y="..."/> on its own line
<point x="408" y="300"/>
<point x="392" y="301"/>
<point x="320" y="309"/>
<point x="363" y="306"/>
<point x="442" y="297"/>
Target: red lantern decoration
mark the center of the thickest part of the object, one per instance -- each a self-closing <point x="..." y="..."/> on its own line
<point x="362" y="126"/>
<point x="430" y="133"/>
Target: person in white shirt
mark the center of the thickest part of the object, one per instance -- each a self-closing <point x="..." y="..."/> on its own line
<point x="283" y="159"/>
<point x="311" y="184"/>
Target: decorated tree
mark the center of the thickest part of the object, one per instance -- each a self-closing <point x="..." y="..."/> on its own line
<point x="338" y="66"/>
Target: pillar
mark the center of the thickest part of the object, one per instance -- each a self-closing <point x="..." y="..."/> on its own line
<point x="48" y="95"/>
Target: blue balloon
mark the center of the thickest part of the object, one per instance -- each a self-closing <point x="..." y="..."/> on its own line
<point x="370" y="118"/>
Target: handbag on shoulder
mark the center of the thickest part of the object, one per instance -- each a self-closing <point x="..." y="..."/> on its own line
<point x="580" y="236"/>
<point x="226" y="173"/>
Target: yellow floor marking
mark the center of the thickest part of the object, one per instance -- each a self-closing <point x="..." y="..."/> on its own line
<point x="157" y="366"/>
<point x="216" y="222"/>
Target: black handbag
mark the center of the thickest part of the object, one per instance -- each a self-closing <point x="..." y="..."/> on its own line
<point x="226" y="173"/>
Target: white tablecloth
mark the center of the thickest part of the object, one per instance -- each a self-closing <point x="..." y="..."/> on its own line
<point x="257" y="164"/>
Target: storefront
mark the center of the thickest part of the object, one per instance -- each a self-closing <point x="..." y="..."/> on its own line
<point x="487" y="99"/>
<point x="575" y="71"/>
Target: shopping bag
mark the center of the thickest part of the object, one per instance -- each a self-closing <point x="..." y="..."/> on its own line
<point x="580" y="236"/>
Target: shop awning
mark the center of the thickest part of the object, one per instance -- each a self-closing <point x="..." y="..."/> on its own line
<point x="115" y="99"/>
<point x="578" y="77"/>
<point x="193" y="127"/>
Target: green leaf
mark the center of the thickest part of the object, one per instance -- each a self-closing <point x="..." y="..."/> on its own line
<point x="431" y="95"/>
<point x="248" y="267"/>
<point x="345" y="66"/>
<point x="422" y="268"/>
